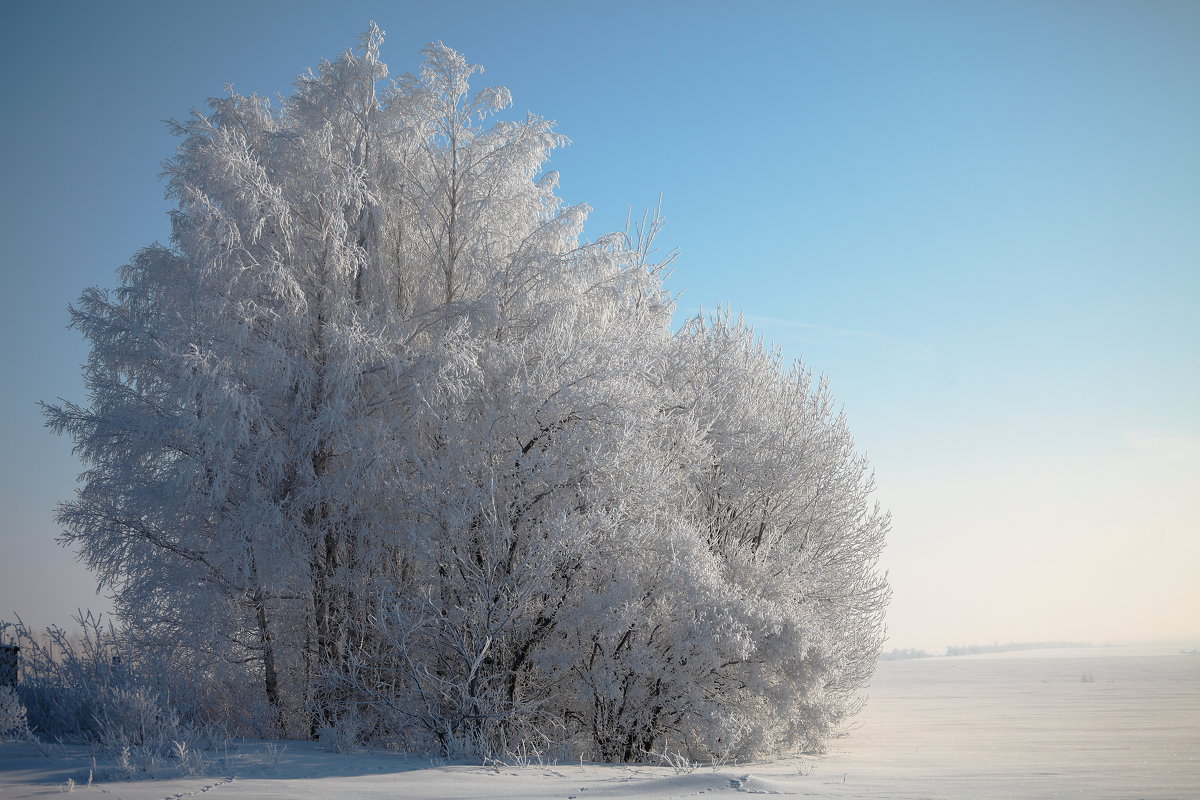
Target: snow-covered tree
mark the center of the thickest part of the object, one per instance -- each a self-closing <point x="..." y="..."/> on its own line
<point x="381" y="425"/>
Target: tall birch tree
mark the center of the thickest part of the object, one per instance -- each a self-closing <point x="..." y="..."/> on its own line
<point x="379" y="425"/>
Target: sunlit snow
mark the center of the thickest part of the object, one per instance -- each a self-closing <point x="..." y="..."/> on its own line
<point x="1011" y="725"/>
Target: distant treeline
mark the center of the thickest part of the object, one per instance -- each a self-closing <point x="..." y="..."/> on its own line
<point x="973" y="649"/>
<point x="902" y="652"/>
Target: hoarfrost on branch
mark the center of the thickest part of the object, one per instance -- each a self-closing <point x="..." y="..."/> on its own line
<point x="380" y="431"/>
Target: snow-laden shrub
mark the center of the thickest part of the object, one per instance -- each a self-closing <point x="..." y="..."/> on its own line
<point x="345" y="734"/>
<point x="13" y="721"/>
<point x="87" y="687"/>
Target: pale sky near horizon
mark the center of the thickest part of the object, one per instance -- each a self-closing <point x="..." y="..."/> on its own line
<point x="980" y="221"/>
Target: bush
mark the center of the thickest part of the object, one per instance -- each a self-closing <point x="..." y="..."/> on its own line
<point x="13" y="722"/>
<point x="85" y="688"/>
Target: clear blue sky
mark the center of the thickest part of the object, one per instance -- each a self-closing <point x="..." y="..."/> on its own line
<point x="980" y="220"/>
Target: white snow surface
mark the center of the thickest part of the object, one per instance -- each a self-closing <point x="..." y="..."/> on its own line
<point x="1006" y="726"/>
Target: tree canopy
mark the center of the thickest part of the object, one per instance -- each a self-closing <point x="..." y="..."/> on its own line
<point x="380" y="429"/>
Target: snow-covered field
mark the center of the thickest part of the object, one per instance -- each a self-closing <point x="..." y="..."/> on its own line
<point x="1011" y="725"/>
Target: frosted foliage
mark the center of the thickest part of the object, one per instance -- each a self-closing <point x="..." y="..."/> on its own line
<point x="13" y="722"/>
<point x="379" y="425"/>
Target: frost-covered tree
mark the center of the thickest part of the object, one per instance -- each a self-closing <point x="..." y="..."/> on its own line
<point x="380" y="426"/>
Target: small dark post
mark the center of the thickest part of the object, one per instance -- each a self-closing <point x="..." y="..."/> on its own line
<point x="8" y="665"/>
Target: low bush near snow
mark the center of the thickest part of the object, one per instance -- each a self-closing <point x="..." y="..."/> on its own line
<point x="13" y="722"/>
<point x="86" y="688"/>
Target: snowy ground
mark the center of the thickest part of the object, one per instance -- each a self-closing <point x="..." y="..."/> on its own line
<point x="1010" y="725"/>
